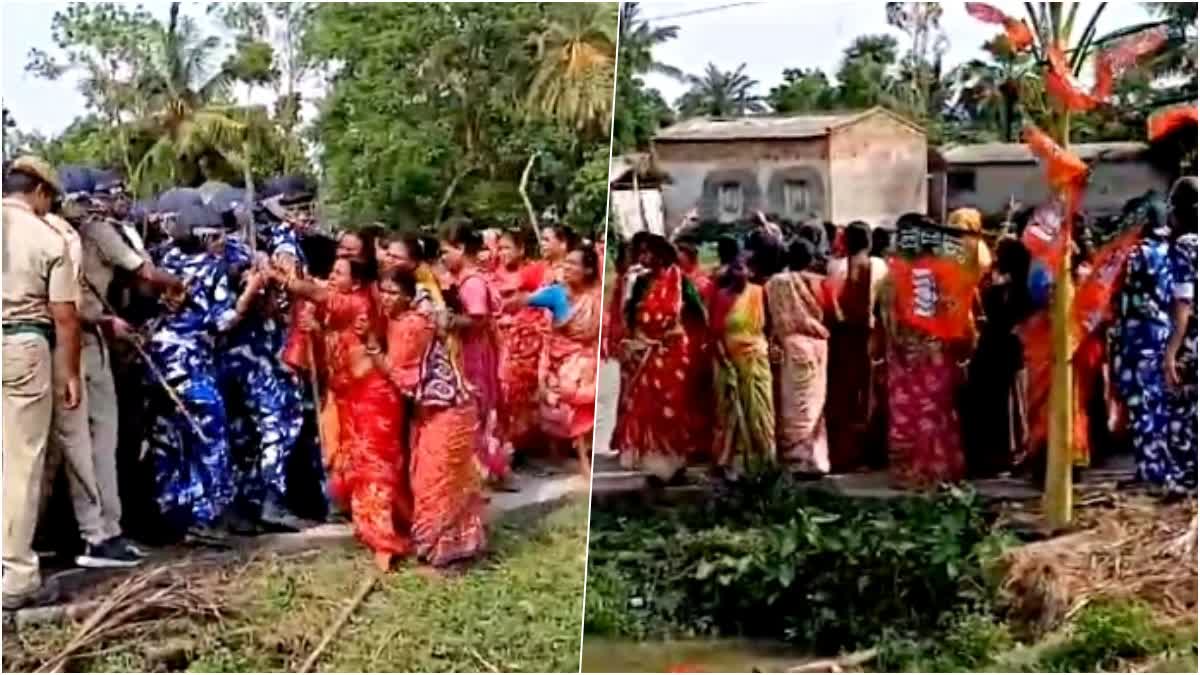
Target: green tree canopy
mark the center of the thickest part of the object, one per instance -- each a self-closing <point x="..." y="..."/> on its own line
<point x="429" y="114"/>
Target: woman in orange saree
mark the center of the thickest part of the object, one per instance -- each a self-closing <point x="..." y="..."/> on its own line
<point x="523" y="331"/>
<point x="447" y="515"/>
<point x="567" y="405"/>
<point x="367" y="474"/>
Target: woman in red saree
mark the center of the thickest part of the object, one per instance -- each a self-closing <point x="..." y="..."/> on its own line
<point x="473" y="323"/>
<point x="447" y="514"/>
<point x="656" y="422"/>
<point x="523" y="331"/>
<point x="854" y="282"/>
<point x="367" y="473"/>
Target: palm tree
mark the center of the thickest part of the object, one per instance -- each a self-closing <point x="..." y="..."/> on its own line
<point x="189" y="119"/>
<point x="576" y="51"/>
<point x="638" y="40"/>
<point x="720" y="93"/>
<point x="991" y="91"/>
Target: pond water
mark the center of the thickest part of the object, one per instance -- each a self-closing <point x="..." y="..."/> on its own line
<point x="693" y="656"/>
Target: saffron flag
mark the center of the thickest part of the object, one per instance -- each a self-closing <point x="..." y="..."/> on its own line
<point x="1094" y="292"/>
<point x="934" y="273"/>
<point x="1046" y="234"/>
<point x="1113" y="62"/>
<point x="1017" y="31"/>
<point x="1065" y="171"/>
<point x="1062" y="86"/>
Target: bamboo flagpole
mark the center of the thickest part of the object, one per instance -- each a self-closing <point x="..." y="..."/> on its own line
<point x="1058" y="494"/>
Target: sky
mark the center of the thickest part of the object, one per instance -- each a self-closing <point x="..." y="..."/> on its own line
<point x="771" y="36"/>
<point x="46" y="106"/>
<point x="767" y="36"/>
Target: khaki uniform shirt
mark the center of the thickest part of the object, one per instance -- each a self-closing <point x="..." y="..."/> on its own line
<point x="37" y="266"/>
<point x="74" y="249"/>
<point x="104" y="250"/>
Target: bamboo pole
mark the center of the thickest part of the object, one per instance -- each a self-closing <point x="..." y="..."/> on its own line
<point x="1057" y="496"/>
<point x="524" y="192"/>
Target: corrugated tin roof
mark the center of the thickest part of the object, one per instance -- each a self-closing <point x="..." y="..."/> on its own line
<point x="767" y="127"/>
<point x="1019" y="153"/>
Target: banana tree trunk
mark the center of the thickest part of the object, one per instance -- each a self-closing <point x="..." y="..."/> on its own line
<point x="1058" y="493"/>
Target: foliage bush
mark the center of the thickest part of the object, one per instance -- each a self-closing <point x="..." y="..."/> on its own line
<point x="1107" y="633"/>
<point x="969" y="641"/>
<point x="769" y="560"/>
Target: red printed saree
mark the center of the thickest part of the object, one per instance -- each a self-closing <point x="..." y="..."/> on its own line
<point x="654" y="431"/>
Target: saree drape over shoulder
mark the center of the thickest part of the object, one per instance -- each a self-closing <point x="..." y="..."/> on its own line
<point x="803" y="343"/>
<point x="745" y="421"/>
<point x="850" y="405"/>
<point x="654" y="431"/>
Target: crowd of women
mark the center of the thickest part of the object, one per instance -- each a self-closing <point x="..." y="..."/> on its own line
<point x="441" y="363"/>
<point x="815" y="353"/>
<point x="394" y="378"/>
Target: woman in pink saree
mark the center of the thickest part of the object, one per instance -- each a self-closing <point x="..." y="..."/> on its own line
<point x="473" y="322"/>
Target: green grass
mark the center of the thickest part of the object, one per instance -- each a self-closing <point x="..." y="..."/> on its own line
<point x="518" y="610"/>
<point x="1108" y="636"/>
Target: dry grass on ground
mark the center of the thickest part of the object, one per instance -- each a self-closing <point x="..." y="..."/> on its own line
<point x="1133" y="548"/>
<point x="518" y="610"/>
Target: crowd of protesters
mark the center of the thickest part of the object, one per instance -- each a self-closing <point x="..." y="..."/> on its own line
<point x="924" y="348"/>
<point x="200" y="365"/>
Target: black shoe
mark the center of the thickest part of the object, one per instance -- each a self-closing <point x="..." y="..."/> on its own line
<point x="241" y="526"/>
<point x="111" y="552"/>
<point x="133" y="547"/>
<point x="47" y="594"/>
<point x="209" y="537"/>
<point x="285" y="522"/>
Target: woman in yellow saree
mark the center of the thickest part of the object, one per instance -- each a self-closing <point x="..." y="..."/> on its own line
<point x="745" y="433"/>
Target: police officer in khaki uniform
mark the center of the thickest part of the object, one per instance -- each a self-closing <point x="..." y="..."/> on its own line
<point x="71" y="441"/>
<point x="39" y="315"/>
<point x="107" y="248"/>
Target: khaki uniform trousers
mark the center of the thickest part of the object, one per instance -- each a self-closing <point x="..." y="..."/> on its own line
<point x="102" y="420"/>
<point x="71" y="446"/>
<point x="28" y="409"/>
